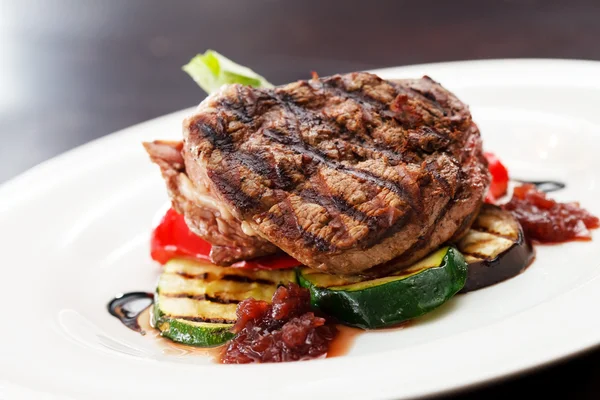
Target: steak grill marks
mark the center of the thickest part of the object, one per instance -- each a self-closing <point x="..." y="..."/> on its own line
<point x="302" y="148"/>
<point x="392" y="265"/>
<point x="360" y="138"/>
<point x="288" y="222"/>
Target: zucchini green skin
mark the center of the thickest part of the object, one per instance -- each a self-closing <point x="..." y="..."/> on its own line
<point x="190" y="333"/>
<point x="392" y="300"/>
<point x="195" y="302"/>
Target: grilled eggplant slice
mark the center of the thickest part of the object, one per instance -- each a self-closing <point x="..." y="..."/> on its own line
<point x="195" y="302"/>
<point x="376" y="303"/>
<point x="495" y="248"/>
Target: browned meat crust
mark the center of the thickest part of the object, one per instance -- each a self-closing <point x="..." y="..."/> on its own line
<point x="346" y="172"/>
<point x="229" y="242"/>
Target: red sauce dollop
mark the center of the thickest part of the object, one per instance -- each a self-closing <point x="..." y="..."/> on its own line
<point x="547" y="221"/>
<point x="285" y="330"/>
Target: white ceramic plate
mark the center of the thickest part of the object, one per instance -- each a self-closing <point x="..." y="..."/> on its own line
<point x="74" y="232"/>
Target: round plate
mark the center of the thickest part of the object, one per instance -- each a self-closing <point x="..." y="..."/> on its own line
<point x="74" y="232"/>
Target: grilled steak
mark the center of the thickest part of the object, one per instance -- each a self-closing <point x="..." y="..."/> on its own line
<point x="343" y="173"/>
<point x="203" y="214"/>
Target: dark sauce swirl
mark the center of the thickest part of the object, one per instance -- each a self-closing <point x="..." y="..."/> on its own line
<point x="127" y="308"/>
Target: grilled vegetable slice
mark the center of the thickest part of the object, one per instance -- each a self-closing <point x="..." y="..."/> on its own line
<point x="495" y="248"/>
<point x="195" y="302"/>
<point x="376" y="303"/>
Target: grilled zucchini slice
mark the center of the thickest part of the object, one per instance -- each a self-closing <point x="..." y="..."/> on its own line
<point x="495" y="248"/>
<point x="381" y="302"/>
<point x="195" y="302"/>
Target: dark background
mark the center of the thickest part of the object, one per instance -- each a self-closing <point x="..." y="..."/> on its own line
<point x="75" y="70"/>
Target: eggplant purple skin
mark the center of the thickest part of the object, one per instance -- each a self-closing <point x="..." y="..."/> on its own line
<point x="506" y="265"/>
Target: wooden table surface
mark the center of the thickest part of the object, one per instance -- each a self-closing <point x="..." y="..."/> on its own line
<point x="75" y="70"/>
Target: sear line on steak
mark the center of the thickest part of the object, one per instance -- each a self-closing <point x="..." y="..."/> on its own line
<point x="343" y="173"/>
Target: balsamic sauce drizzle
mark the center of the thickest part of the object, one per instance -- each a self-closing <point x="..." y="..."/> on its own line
<point x="545" y="186"/>
<point x="127" y="307"/>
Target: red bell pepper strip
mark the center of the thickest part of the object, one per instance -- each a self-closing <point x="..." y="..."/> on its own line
<point x="172" y="238"/>
<point x="499" y="174"/>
